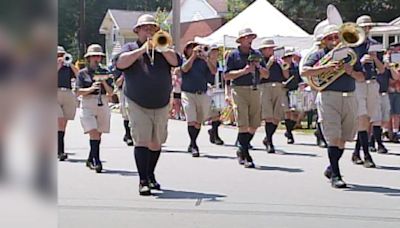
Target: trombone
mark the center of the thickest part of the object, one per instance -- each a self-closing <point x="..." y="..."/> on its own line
<point x="161" y="41"/>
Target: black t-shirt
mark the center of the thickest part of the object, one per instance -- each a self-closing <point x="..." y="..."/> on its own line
<point x="383" y="80"/>
<point x="197" y="77"/>
<point x="148" y="85"/>
<point x="368" y="68"/>
<point x="65" y="74"/>
<point x="117" y="74"/>
<point x="345" y="83"/>
<point x="238" y="60"/>
<point x="275" y="73"/>
<point x="85" y="79"/>
<point x="293" y="84"/>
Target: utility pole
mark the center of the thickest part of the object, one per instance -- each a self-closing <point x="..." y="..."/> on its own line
<point x="82" y="45"/>
<point x="176" y="24"/>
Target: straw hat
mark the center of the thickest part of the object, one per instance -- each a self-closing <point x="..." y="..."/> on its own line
<point x="364" y="20"/>
<point x="329" y="30"/>
<point x="94" y="49"/>
<point x="245" y="32"/>
<point x="145" y="19"/>
<point x="267" y="43"/>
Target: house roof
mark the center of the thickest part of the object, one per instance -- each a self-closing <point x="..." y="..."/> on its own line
<point x="219" y="5"/>
<point x="395" y="21"/>
<point x="123" y="19"/>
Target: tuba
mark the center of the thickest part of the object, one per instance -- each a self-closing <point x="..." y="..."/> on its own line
<point x="350" y="35"/>
<point x="161" y="42"/>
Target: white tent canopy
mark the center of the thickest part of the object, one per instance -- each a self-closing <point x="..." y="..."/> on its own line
<point x="267" y="22"/>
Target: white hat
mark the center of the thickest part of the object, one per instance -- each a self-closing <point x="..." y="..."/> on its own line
<point x="329" y="30"/>
<point x="246" y="32"/>
<point x="94" y="49"/>
<point x="364" y="20"/>
<point x="60" y="50"/>
<point x="145" y="19"/>
<point x="267" y="43"/>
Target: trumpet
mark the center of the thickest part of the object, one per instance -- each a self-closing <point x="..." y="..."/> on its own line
<point x="161" y="41"/>
<point x="67" y="59"/>
<point x="100" y="75"/>
<point x="285" y="66"/>
<point x="394" y="66"/>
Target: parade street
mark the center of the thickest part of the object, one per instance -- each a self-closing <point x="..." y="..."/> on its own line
<point x="286" y="189"/>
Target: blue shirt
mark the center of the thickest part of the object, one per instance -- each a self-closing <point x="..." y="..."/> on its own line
<point x="238" y="60"/>
<point x="148" y="85"/>
<point x="275" y="73"/>
<point x="344" y="83"/>
<point x="196" y="79"/>
<point x="65" y="74"/>
<point x="293" y="84"/>
<point x="85" y="79"/>
<point x="383" y="80"/>
<point x="369" y="69"/>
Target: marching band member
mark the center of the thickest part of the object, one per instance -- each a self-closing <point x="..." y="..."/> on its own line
<point x="291" y="85"/>
<point x="394" y="97"/>
<point x="273" y="97"/>
<point x="245" y="76"/>
<point x="177" y="111"/>
<point x="123" y="106"/>
<point x="148" y="87"/>
<point x="383" y="80"/>
<point x="94" y="111"/>
<point x="65" y="98"/>
<point x="338" y="103"/>
<point x="198" y="70"/>
<point x="367" y="94"/>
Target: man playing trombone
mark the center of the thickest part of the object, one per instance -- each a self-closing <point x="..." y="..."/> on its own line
<point x="148" y="85"/>
<point x="338" y="105"/>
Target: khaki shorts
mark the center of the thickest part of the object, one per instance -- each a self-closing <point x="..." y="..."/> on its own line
<point x="274" y="101"/>
<point x="123" y="104"/>
<point x="385" y="106"/>
<point x="148" y="125"/>
<point x="338" y="115"/>
<point x="197" y="106"/>
<point x="247" y="106"/>
<point x="94" y="117"/>
<point x="368" y="100"/>
<point x="67" y="104"/>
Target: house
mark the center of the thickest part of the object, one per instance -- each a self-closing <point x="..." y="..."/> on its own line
<point x="387" y="33"/>
<point x="198" y="18"/>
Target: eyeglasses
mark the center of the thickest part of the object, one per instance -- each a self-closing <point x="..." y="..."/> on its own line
<point x="332" y="37"/>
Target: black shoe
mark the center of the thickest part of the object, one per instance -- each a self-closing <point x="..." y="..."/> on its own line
<point x="368" y="163"/>
<point x="153" y="184"/>
<point x="382" y="150"/>
<point x="144" y="189"/>
<point x="271" y="149"/>
<point x="249" y="164"/>
<point x="125" y="138"/>
<point x="90" y="164"/>
<point x="195" y="152"/>
<point x="356" y="159"/>
<point x="289" y="136"/>
<point x="266" y="143"/>
<point x="328" y="172"/>
<point x="98" y="167"/>
<point x="372" y="149"/>
<point x="212" y="136"/>
<point x="240" y="157"/>
<point x="129" y="142"/>
<point x="190" y="149"/>
<point x="218" y="140"/>
<point x="337" y="182"/>
<point x="62" y="157"/>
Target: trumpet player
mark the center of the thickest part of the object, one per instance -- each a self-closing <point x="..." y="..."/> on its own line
<point x="367" y="94"/>
<point x="66" y="99"/>
<point x="245" y="76"/>
<point x="273" y="94"/>
<point x="338" y="103"/>
<point x="94" y="115"/>
<point x="148" y="85"/>
<point x="198" y="70"/>
<point x="394" y="96"/>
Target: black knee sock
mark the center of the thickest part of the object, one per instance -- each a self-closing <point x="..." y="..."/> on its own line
<point x="358" y="146"/>
<point x="270" y="129"/>
<point x="153" y="159"/>
<point x="193" y="133"/>
<point x="372" y="140"/>
<point x="214" y="127"/>
<point x="60" y="142"/>
<point x="250" y="136"/>
<point x="127" y="129"/>
<point x="377" y="133"/>
<point x="94" y="151"/>
<point x="334" y="155"/>
<point x="288" y="125"/>
<point x="363" y="137"/>
<point x="142" y="157"/>
<point x="244" y="140"/>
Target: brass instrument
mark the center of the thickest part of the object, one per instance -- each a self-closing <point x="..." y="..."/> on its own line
<point x="100" y="75"/>
<point x="161" y="41"/>
<point x="285" y="66"/>
<point x="67" y="59"/>
<point x="395" y="66"/>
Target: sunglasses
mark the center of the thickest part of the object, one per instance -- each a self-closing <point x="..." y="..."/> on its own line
<point x="332" y="37"/>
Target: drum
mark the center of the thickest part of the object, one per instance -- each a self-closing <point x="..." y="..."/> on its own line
<point x="218" y="99"/>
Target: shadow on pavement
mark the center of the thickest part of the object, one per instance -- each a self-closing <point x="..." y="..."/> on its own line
<point x="175" y="151"/>
<point x="282" y="152"/>
<point x="283" y="169"/>
<point x="393" y="154"/>
<point x="375" y="189"/>
<point x="75" y="160"/>
<point x="390" y="168"/>
<point x="216" y="156"/>
<point x="120" y="172"/>
<point x="174" y="194"/>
